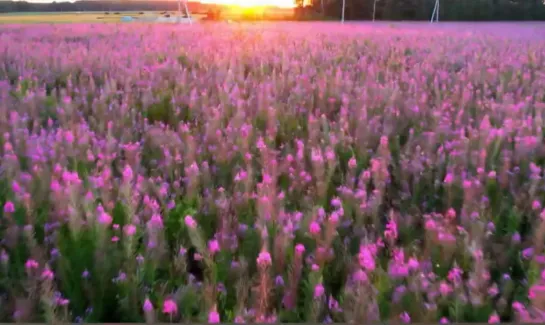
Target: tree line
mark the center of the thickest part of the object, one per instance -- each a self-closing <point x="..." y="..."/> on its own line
<point x="391" y="10"/>
<point x="418" y="10"/>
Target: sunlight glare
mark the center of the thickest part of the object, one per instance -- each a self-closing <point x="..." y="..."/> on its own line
<point x="253" y="3"/>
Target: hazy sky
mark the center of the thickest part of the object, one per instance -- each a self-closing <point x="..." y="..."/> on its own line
<point x="249" y="3"/>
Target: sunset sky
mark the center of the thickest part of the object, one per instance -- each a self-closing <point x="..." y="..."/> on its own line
<point x="252" y="3"/>
<point x="243" y="3"/>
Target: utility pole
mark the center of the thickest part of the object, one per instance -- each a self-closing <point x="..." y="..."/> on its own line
<point x="342" y="14"/>
<point x="435" y="13"/>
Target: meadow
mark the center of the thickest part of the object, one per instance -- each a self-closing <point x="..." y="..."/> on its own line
<point x="266" y="172"/>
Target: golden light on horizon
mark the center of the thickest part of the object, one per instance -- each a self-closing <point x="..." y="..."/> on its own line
<point x="253" y="3"/>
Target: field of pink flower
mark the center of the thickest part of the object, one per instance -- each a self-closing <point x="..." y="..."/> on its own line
<point x="272" y="172"/>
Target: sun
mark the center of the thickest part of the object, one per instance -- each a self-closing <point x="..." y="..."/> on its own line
<point x="253" y="3"/>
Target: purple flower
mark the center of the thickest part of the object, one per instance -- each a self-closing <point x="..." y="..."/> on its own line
<point x="405" y="318"/>
<point x="148" y="306"/>
<point x="9" y="207"/>
<point x="264" y="259"/>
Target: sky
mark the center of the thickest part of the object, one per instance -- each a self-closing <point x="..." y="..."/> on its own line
<point x="243" y="3"/>
<point x="252" y="3"/>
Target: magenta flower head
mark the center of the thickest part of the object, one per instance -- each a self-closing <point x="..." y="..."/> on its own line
<point x="334" y="218"/>
<point x="314" y="228"/>
<point x="148" y="306"/>
<point x="127" y="173"/>
<point x="352" y="163"/>
<point x="213" y="316"/>
<point x="405" y="318"/>
<point x="336" y="202"/>
<point x="319" y="290"/>
<point x="129" y="230"/>
<point x="299" y="249"/>
<point x="103" y="217"/>
<point x="190" y="222"/>
<point x="69" y="137"/>
<point x="170" y="307"/>
<point x="494" y="319"/>
<point x="444" y="320"/>
<point x="47" y="274"/>
<point x="31" y="265"/>
<point x="264" y="259"/>
<point x="9" y="207"/>
<point x="213" y="246"/>
<point x="449" y="178"/>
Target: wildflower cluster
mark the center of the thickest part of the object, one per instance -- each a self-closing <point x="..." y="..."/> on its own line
<point x="272" y="173"/>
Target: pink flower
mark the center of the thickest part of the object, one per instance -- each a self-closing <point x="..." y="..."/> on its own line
<point x="494" y="319"/>
<point x="391" y="230"/>
<point x="115" y="239"/>
<point x="156" y="221"/>
<point x="264" y="259"/>
<point x="127" y="173"/>
<point x="405" y="318"/>
<point x="213" y="246"/>
<point x="413" y="263"/>
<point x="47" y="274"/>
<point x="213" y="317"/>
<point x="69" y="137"/>
<point x="190" y="222"/>
<point x="536" y="205"/>
<point x="334" y="218"/>
<point x="62" y="301"/>
<point x="444" y="288"/>
<point x="9" y="207"/>
<point x="352" y="163"/>
<point x="319" y="290"/>
<point x="148" y="306"/>
<point x="444" y="320"/>
<point x="299" y="249"/>
<point x="449" y="178"/>
<point x="170" y="307"/>
<point x="518" y="306"/>
<point x="31" y="264"/>
<point x="104" y="218"/>
<point x="336" y="202"/>
<point x="314" y="228"/>
<point x="129" y="229"/>
<point x="430" y="224"/>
